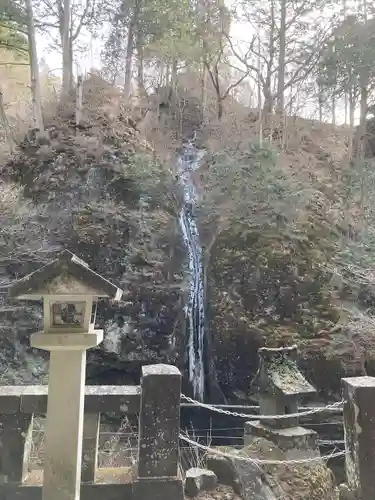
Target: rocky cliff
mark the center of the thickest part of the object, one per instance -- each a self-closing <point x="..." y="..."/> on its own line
<point x="288" y="245"/>
<point x="100" y="192"/>
<point x="289" y="253"/>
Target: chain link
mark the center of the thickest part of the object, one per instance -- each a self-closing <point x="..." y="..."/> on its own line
<point x="331" y="407"/>
<point x="257" y="461"/>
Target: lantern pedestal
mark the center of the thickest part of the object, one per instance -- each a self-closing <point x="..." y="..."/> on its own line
<point x="66" y="341"/>
<point x="70" y="290"/>
<point x="65" y="411"/>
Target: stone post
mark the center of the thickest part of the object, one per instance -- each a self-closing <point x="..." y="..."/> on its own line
<point x="159" y="427"/>
<point x="15" y="450"/>
<point x="359" y="427"/>
<point x="65" y="407"/>
<point x="91" y="427"/>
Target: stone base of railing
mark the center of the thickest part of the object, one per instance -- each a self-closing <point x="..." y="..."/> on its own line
<point x="93" y="491"/>
<point x="160" y="488"/>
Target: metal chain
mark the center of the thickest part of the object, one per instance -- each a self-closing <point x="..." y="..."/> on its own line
<point x="331" y="407"/>
<point x="257" y="461"/>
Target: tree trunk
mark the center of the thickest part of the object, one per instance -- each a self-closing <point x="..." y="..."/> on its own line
<point x="346" y="95"/>
<point x="320" y="102"/>
<point x="4" y="122"/>
<point x="268" y="100"/>
<point x="281" y="68"/>
<point x="364" y="84"/>
<point x="67" y="52"/>
<point x="352" y="106"/>
<point x="259" y="88"/>
<point x="346" y="107"/>
<point x="362" y="129"/>
<point x="130" y="48"/>
<point x="79" y="101"/>
<point x="140" y="69"/>
<point x="173" y="85"/>
<point x="174" y="74"/>
<point x="34" y="70"/>
<point x="71" y="63"/>
<point x="267" y="89"/>
<point x="215" y="79"/>
<point x="219" y="107"/>
<point x="204" y="94"/>
<point x="167" y="74"/>
<point x="129" y="59"/>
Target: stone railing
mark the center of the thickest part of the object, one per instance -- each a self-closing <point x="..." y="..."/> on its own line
<point x="156" y="400"/>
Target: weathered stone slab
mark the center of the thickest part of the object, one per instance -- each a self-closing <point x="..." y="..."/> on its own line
<point x="15" y="447"/>
<point x="90" y="443"/>
<point x="88" y="492"/>
<point x="359" y="426"/>
<point x="34" y="399"/>
<point x="198" y="480"/>
<point x="247" y="479"/>
<point x="10" y="398"/>
<point x="159" y="421"/>
<point x="113" y="398"/>
<point x="297" y="442"/>
<point x="98" y="399"/>
<point x="223" y="469"/>
<point x="158" y="489"/>
<point x="251" y="482"/>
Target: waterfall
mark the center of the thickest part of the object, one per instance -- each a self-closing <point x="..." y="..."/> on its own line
<point x="195" y="310"/>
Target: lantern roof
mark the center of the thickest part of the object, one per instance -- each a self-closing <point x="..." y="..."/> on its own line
<point x="67" y="275"/>
<point x="279" y="374"/>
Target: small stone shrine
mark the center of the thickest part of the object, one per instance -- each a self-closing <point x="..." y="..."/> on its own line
<point x="280" y="387"/>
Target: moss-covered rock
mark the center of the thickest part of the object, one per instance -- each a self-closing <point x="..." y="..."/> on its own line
<point x="309" y="481"/>
<point x="272" y="265"/>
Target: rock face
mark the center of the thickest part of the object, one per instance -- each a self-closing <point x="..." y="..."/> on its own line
<point x="268" y="482"/>
<point x="198" y="480"/>
<point x="244" y="477"/>
<point x="98" y="192"/>
<point x="276" y="274"/>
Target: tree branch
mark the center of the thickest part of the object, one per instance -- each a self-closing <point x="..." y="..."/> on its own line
<point x="234" y="85"/>
<point x="10" y="46"/>
<point x="244" y="60"/>
<point x="13" y="64"/>
<point x="82" y="20"/>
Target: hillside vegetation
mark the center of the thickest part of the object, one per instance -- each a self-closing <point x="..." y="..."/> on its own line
<point x="289" y="249"/>
<point x="285" y="202"/>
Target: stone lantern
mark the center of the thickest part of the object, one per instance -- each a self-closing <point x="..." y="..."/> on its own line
<point x="281" y="386"/>
<point x="69" y="290"/>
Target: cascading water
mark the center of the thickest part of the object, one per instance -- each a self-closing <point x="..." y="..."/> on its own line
<point x="195" y="310"/>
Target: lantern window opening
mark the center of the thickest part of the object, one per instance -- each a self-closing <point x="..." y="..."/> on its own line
<point x="67" y="313"/>
<point x="94" y="311"/>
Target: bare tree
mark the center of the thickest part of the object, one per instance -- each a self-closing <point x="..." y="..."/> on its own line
<point x="67" y="46"/>
<point x="221" y="91"/>
<point x="284" y="55"/>
<point x="214" y="60"/>
<point x="34" y="69"/>
<point x="129" y="54"/>
<point x="68" y="19"/>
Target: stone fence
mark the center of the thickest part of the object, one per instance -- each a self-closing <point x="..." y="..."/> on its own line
<point x="156" y="401"/>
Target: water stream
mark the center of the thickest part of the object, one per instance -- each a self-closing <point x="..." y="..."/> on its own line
<point x="189" y="161"/>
